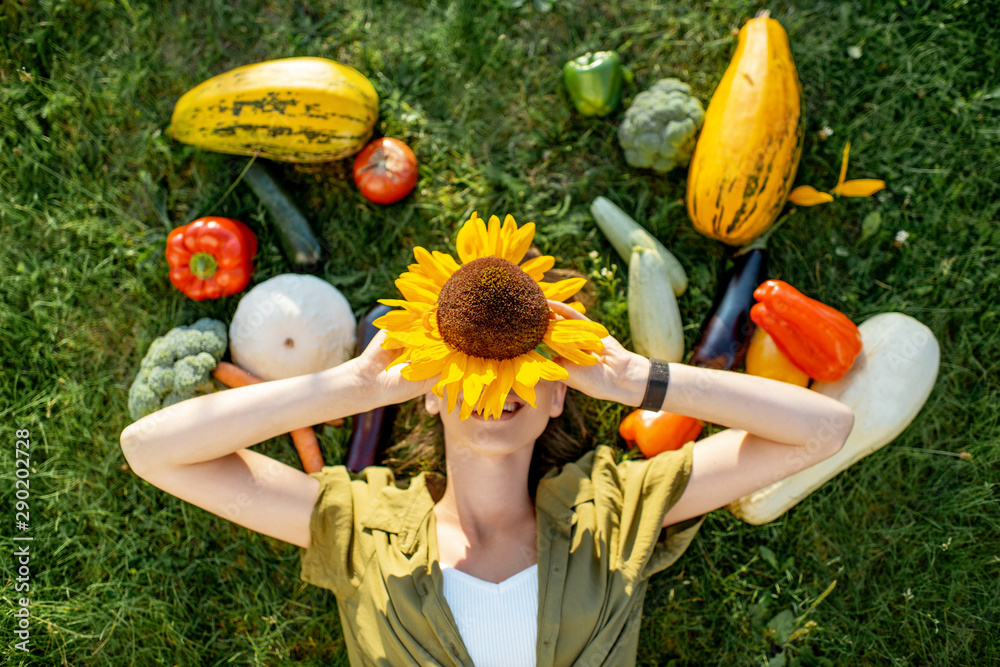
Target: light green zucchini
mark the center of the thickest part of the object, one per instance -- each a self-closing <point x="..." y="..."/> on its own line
<point x="624" y="233"/>
<point x="653" y="314"/>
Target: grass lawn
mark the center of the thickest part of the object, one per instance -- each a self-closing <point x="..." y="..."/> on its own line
<point x="90" y="185"/>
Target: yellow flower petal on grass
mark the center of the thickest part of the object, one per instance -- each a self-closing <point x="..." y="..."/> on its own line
<point x="861" y="187"/>
<point x="843" y="166"/>
<point x="807" y="195"/>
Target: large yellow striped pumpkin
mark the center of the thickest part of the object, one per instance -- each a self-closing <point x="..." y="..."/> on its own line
<point x="292" y="110"/>
<point x="745" y="160"/>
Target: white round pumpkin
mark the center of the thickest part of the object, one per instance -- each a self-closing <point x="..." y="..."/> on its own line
<point x="292" y="324"/>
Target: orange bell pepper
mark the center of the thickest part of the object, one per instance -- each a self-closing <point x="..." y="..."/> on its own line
<point x="657" y="432"/>
<point x="821" y="341"/>
<point x="765" y="360"/>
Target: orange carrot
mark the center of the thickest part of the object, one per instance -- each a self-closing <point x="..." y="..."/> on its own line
<point x="307" y="445"/>
<point x="306" y="442"/>
<point x="232" y="375"/>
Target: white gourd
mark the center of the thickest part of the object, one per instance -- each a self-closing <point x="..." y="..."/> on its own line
<point x="292" y="324"/>
<point x="886" y="387"/>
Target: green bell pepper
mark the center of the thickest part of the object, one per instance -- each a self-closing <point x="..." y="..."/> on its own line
<point x="594" y="82"/>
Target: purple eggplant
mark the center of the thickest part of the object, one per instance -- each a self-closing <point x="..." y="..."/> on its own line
<point x="725" y="333"/>
<point x="372" y="428"/>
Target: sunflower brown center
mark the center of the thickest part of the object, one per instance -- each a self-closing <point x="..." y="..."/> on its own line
<point x="492" y="309"/>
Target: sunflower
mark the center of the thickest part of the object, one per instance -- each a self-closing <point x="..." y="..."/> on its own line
<point x="480" y="323"/>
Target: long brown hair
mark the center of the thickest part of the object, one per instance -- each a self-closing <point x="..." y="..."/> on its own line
<point x="419" y="436"/>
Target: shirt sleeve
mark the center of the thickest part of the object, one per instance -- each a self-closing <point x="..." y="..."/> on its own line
<point x="649" y="488"/>
<point x="329" y="562"/>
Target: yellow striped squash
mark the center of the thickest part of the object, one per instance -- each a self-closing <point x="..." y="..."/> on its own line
<point x="291" y="110"/>
<point x="746" y="157"/>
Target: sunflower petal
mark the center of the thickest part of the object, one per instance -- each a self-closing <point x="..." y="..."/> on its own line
<point x="478" y="374"/>
<point x="578" y="307"/>
<point x="413" y="290"/>
<point x="416" y="337"/>
<point x="426" y="367"/>
<point x="572" y="353"/>
<point x="527" y="371"/>
<point x="407" y="305"/>
<point x="537" y="266"/>
<point x="453" y="390"/>
<point x="861" y="187"/>
<point x="446" y="260"/>
<point x="563" y="289"/>
<point x="493" y="244"/>
<point x="579" y="327"/>
<point x="519" y="242"/>
<point x="807" y="195"/>
<point x="401" y="359"/>
<point x="471" y="241"/>
<point x="396" y="320"/>
<point x="433" y="270"/>
<point x="436" y="352"/>
<point x="526" y="392"/>
<point x="454" y="369"/>
<point x="507" y="232"/>
<point x="492" y="400"/>
<point x="549" y="370"/>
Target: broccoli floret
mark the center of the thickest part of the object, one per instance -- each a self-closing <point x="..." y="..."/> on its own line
<point x="191" y="373"/>
<point x="177" y="366"/>
<point x="659" y="128"/>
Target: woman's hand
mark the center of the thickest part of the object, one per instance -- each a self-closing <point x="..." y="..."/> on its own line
<point x="618" y="375"/>
<point x="387" y="386"/>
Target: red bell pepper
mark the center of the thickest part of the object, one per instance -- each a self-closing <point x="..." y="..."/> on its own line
<point x="821" y="341"/>
<point x="657" y="432"/>
<point x="211" y="257"/>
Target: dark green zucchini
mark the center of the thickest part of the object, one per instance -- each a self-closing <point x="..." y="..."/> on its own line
<point x="297" y="239"/>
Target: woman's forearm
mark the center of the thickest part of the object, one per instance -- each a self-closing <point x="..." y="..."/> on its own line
<point x="210" y="427"/>
<point x="766" y="408"/>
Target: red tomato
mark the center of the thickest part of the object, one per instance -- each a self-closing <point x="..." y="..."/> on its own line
<point x="385" y="170"/>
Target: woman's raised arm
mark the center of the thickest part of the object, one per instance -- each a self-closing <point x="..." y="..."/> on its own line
<point x="197" y="449"/>
<point x="775" y="429"/>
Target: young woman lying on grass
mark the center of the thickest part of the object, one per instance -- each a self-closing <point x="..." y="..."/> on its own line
<point x="487" y="565"/>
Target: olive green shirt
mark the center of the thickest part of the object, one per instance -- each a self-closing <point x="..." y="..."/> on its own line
<point x="600" y="538"/>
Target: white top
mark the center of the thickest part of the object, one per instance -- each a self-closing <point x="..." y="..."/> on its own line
<point x="498" y="622"/>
